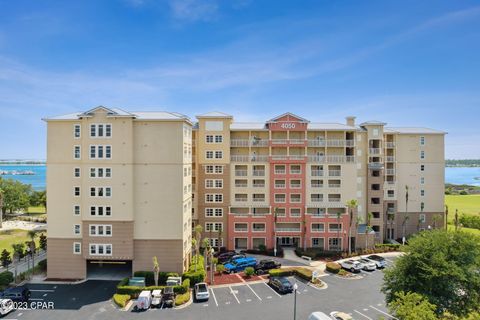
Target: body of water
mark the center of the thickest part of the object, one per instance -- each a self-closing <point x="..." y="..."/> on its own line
<point x="38" y="180"/>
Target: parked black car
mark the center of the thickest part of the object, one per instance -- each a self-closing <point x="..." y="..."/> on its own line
<point x="264" y="265"/>
<point x="168" y="297"/>
<point x="18" y="294"/>
<point x="226" y="256"/>
<point x="281" y="284"/>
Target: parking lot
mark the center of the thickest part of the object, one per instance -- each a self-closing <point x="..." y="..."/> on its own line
<point x="91" y="300"/>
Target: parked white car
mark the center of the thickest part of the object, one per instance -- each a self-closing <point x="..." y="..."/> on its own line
<point x="351" y="265"/>
<point x="367" y="265"/>
<point x="6" y="305"/>
<point x="201" y="291"/>
<point x="144" y="300"/>
<point x="337" y="315"/>
<point x="156" y="298"/>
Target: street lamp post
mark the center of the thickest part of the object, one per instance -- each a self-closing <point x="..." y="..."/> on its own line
<point x="295" y="287"/>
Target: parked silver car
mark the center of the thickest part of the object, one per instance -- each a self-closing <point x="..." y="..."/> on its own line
<point x="379" y="261"/>
<point x="367" y="265"/>
<point x="201" y="291"/>
<point x="351" y="265"/>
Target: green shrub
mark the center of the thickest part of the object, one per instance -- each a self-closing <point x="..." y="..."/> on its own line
<point x="286" y="272"/>
<point x="262" y="248"/>
<point x="123" y="282"/>
<point x="220" y="268"/>
<point x="342" y="272"/>
<point x="43" y="265"/>
<point x="463" y="192"/>
<point x="132" y="291"/>
<point x="470" y="221"/>
<point x="6" y="278"/>
<point x="315" y="253"/>
<point x="194" y="277"/>
<point x="249" y="271"/>
<point x="303" y="273"/>
<point x="182" y="298"/>
<point x="121" y="299"/>
<point x="150" y="277"/>
<point x="333" y="267"/>
<point x="199" y="264"/>
<point x="183" y="288"/>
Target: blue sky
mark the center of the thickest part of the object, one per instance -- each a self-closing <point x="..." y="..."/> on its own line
<point x="409" y="63"/>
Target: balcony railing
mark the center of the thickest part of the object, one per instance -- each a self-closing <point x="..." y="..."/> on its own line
<point x="239" y="142"/>
<point x="295" y="171"/>
<point x="279" y="141"/>
<point x="297" y="157"/>
<point x="258" y="199"/>
<point x="279" y="157"/>
<point x="317" y="185"/>
<point x="316" y="199"/>
<point x="375" y="150"/>
<point x="241" y="229"/>
<point x="334" y="185"/>
<point x="334" y="173"/>
<point x="241" y="199"/>
<point x="280" y="185"/>
<point x="375" y="165"/>
<point x="241" y="173"/>
<point x="259" y="173"/>
<point x="390" y="171"/>
<point x="280" y="200"/>
<point x="241" y="185"/>
<point x="390" y="144"/>
<point x="259" y="158"/>
<point x="295" y="186"/>
<point x="331" y="159"/>
<point x="259" y="185"/>
<point x="390" y="159"/>
<point x="296" y="141"/>
<point x="239" y="158"/>
<point x="316" y="143"/>
<point x="317" y="173"/>
<point x="280" y="172"/>
<point x="259" y="143"/>
<point x="334" y="199"/>
<point x="277" y="229"/>
<point x="391" y="183"/>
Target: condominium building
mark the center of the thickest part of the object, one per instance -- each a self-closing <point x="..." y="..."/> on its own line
<point x="124" y="187"/>
<point x="286" y="182"/>
<point x="119" y="192"/>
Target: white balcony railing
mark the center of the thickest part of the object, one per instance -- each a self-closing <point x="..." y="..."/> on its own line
<point x="334" y="185"/>
<point x="316" y="143"/>
<point x="258" y="199"/>
<point x="334" y="173"/>
<point x="375" y="150"/>
<point x="278" y="229"/>
<point x="317" y="185"/>
<point x="333" y="199"/>
<point x="297" y="157"/>
<point x="317" y="173"/>
<point x="279" y="157"/>
<point x="241" y="199"/>
<point x="241" y="173"/>
<point x="390" y="159"/>
<point x="239" y="142"/>
<point x="259" y="143"/>
<point x="259" y="185"/>
<point x="241" y="185"/>
<point x="280" y="185"/>
<point x="239" y="158"/>
<point x="295" y="186"/>
<point x="390" y="144"/>
<point x="259" y="173"/>
<point x="259" y="158"/>
<point x="390" y="171"/>
<point x="316" y="199"/>
<point x="280" y="172"/>
<point x="241" y="229"/>
<point x="296" y="141"/>
<point x="279" y="141"/>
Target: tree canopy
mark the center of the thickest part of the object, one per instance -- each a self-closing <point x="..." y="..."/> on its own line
<point x="412" y="306"/>
<point x="16" y="195"/>
<point x="444" y="267"/>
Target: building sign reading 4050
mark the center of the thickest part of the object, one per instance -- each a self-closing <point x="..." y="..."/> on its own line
<point x="287" y="125"/>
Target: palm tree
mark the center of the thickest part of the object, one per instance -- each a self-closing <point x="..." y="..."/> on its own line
<point x="219" y="239"/>
<point x="198" y="237"/>
<point x="456" y="220"/>
<point x="339" y="215"/>
<point x="351" y="205"/>
<point x="367" y="228"/>
<point x="156" y="270"/>
<point x="446" y="217"/>
<point x="206" y="251"/>
<point x="405" y="216"/>
<point x="358" y="220"/>
<point x="32" y="234"/>
<point x="304" y="223"/>
<point x="275" y="218"/>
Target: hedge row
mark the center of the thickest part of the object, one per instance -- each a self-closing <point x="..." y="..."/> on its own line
<point x="303" y="273"/>
<point x="134" y="291"/>
<point x="150" y="277"/>
<point x="121" y="299"/>
<point x="182" y="298"/>
<point x="333" y="267"/>
<point x="195" y="276"/>
<point x="6" y="278"/>
<point x="315" y="253"/>
<point x="268" y="252"/>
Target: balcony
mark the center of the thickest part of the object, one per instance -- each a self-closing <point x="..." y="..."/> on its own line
<point x="375" y="150"/>
<point x="279" y="141"/>
<point x="334" y="185"/>
<point x="375" y="165"/>
<point x="258" y="199"/>
<point x="259" y="185"/>
<point x="279" y="157"/>
<point x="317" y="173"/>
<point x="297" y="157"/>
<point x="334" y="173"/>
<point x="247" y="158"/>
<point x="241" y="185"/>
<point x="241" y="199"/>
<point x="278" y="229"/>
<point x="390" y="172"/>
<point x="239" y="142"/>
<point x="259" y="173"/>
<point x="334" y="200"/>
<point x="390" y="144"/>
<point x="241" y="173"/>
<point x="336" y="143"/>
<point x="259" y="143"/>
<point x="390" y="158"/>
<point x="239" y="158"/>
<point x="259" y="158"/>
<point x="316" y="143"/>
<point x="317" y="185"/>
<point x="316" y="199"/>
<point x="280" y="171"/>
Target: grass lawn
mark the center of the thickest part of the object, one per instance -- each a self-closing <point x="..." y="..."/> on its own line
<point x="451" y="227"/>
<point x="9" y="237"/>
<point x="36" y="210"/>
<point x="467" y="204"/>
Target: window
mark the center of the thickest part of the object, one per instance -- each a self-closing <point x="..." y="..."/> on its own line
<point x="218" y="139"/>
<point x="100" y="130"/>
<point x="422" y="167"/>
<point x="422" y="141"/>
<point x="100" y="249"/>
<point x="295" y="198"/>
<point x="100" y="152"/>
<point x="209" y="169"/>
<point x="422" y="218"/>
<point x="422" y="192"/>
<point x="209" y="139"/>
<point x="214" y="212"/>
<point x="213" y="226"/>
<point x="219" y="169"/>
<point x="76" y="191"/>
<point x="76" y="210"/>
<point x="76" y="229"/>
<point x="295" y="212"/>
<point x="100" y="211"/>
<point x="334" y="227"/>
<point x="422" y="180"/>
<point x="258" y="227"/>
<point x="334" y="243"/>
<point x="214" y="183"/>
<point x="375" y="132"/>
<point x="76" y="152"/>
<point x="76" y="131"/>
<point x="318" y="227"/>
<point x="209" y="154"/>
<point x="317" y="242"/>
<point x="422" y="154"/>
<point x="100" y="191"/>
<point x="77" y="248"/>
<point x="280" y="198"/>
<point x="100" y="230"/>
<point x="76" y="172"/>
<point x="214" y="242"/>
<point x="218" y="154"/>
<point x="214" y="197"/>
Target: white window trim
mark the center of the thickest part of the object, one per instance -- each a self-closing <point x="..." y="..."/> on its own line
<point x="214" y="226"/>
<point x="75" y="126"/>
<point x="311" y="242"/>
<point x="299" y="194"/>
<point x="97" y="245"/>
<point x="79" y="152"/>
<point x="96" y="230"/>
<point x="79" y="210"/>
<point x="207" y="153"/>
<point x="104" y="192"/>
<point x="284" y="198"/>
<point x="219" y="152"/>
<point x="104" y="211"/>
<point x="104" y="136"/>
<point x="96" y="151"/>
<point x="316" y="231"/>
<point x="214" y="212"/>
<point x="79" y="246"/>
<point x="79" y="191"/>
<point x="330" y="230"/>
<point x="422" y="141"/>
<point x="262" y="231"/>
<point x="243" y="231"/>
<point x="75" y="229"/>
<point x="75" y="172"/>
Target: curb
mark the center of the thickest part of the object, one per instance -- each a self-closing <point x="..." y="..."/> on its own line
<point x="186" y="304"/>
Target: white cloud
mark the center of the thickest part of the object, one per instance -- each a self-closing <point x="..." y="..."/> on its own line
<point x="194" y="10"/>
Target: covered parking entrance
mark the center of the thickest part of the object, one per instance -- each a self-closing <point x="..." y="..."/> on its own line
<point x="108" y="270"/>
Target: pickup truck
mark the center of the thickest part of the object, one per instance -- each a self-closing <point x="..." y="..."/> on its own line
<point x="264" y="265"/>
<point x="240" y="264"/>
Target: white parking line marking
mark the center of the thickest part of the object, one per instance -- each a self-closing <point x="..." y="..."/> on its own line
<point x="205" y="305"/>
<point x="38" y="290"/>
<point x="269" y="297"/>
<point x="55" y="287"/>
<point x="379" y="304"/>
<point x="365" y="309"/>
<point x="384" y="313"/>
<point x="214" y="298"/>
<point x="248" y="300"/>
<point x="45" y="294"/>
<point x="231" y="290"/>
<point x="228" y="302"/>
<point x="363" y="315"/>
<point x="254" y="292"/>
<point x="272" y="289"/>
